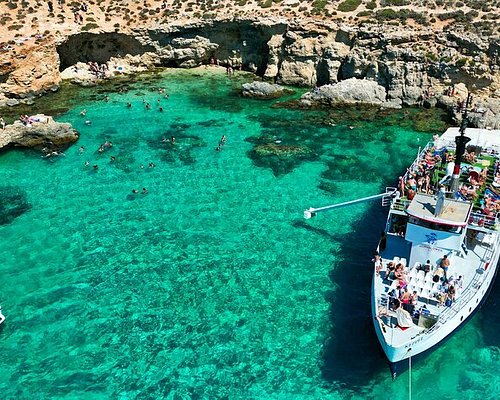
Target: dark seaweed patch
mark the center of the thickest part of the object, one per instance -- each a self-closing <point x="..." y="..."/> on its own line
<point x="13" y="203"/>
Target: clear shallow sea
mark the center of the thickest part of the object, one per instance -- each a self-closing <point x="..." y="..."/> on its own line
<point x="211" y="285"/>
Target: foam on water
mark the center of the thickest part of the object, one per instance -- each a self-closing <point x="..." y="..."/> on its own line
<point x="211" y="285"/>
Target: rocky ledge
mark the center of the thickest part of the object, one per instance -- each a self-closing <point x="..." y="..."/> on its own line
<point x="350" y="91"/>
<point x="263" y="90"/>
<point x="39" y="131"/>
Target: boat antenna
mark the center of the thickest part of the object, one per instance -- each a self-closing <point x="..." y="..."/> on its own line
<point x="460" y="142"/>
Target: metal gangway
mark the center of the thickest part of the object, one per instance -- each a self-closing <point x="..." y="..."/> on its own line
<point x="390" y="192"/>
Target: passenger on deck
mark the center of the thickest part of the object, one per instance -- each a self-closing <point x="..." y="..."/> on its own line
<point x="426" y="267"/>
<point x="390" y="270"/>
<point x="405" y="298"/>
<point x="451" y="293"/>
<point x="399" y="274"/>
<point x="377" y="260"/>
<point x="444" y="264"/>
<point x="439" y="275"/>
<point x="403" y="317"/>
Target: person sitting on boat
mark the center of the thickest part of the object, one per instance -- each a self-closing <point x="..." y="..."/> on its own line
<point x="438" y="275"/>
<point x="390" y="270"/>
<point x="451" y="293"/>
<point x="425" y="267"/>
<point x="403" y="317"/>
<point x="399" y="274"/>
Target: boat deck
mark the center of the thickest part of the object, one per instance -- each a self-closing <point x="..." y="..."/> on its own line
<point x="431" y="310"/>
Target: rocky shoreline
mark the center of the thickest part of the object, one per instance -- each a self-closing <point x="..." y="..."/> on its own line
<point x="38" y="131"/>
<point x="380" y="65"/>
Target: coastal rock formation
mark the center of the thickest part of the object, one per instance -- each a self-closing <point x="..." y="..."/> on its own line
<point x="37" y="73"/>
<point x="348" y="91"/>
<point x="263" y="90"/>
<point x="40" y="132"/>
<point x="413" y="64"/>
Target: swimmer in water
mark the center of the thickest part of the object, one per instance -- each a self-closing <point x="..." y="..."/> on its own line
<point x="88" y="122"/>
<point x="83" y="112"/>
<point x="129" y="105"/>
<point x="81" y="150"/>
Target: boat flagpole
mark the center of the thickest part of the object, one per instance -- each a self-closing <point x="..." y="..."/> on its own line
<point x="460" y="142"/>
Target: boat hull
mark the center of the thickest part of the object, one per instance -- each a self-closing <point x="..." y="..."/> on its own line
<point x="422" y="345"/>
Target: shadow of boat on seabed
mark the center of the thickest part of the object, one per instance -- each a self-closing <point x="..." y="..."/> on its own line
<point x="351" y="353"/>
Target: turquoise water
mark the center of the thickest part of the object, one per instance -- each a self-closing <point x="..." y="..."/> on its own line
<point x="211" y="285"/>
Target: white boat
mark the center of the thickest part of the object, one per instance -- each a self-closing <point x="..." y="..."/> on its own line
<point x="459" y="224"/>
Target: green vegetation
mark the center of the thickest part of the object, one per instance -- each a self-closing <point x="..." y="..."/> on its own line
<point x="319" y="5"/>
<point x="89" y="26"/>
<point x="395" y="3"/>
<point x="266" y="4"/>
<point x="371" y="5"/>
<point x="349" y="5"/>
<point x="388" y="14"/>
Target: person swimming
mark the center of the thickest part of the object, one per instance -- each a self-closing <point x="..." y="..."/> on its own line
<point x="129" y="105"/>
<point x="83" y="112"/>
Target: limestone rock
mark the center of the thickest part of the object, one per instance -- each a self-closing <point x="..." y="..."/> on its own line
<point x="275" y="49"/>
<point x="34" y="75"/>
<point x="300" y="73"/>
<point x="41" y="131"/>
<point x="349" y="91"/>
<point x="263" y="90"/>
<point x="80" y="74"/>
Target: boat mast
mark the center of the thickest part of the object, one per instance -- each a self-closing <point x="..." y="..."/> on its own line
<point x="460" y="142"/>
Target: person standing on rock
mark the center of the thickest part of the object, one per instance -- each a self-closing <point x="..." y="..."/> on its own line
<point x="51" y="7"/>
<point x="2" y="123"/>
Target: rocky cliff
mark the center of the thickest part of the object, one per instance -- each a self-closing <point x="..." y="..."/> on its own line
<point x="409" y="66"/>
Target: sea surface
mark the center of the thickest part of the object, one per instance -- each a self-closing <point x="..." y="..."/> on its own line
<point x="211" y="285"/>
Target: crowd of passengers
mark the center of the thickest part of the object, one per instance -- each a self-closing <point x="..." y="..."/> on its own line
<point x="419" y="179"/>
<point x="446" y="289"/>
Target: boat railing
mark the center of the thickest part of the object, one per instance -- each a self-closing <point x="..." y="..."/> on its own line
<point x="414" y="166"/>
<point x="486" y="222"/>
<point x="400" y="203"/>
